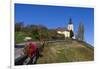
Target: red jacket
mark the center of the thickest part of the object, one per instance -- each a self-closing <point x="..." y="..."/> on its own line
<point x="32" y="49"/>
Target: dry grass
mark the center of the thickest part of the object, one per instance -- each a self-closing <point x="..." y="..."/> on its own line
<point x="69" y="51"/>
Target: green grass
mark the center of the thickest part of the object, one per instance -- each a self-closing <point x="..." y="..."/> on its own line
<point x="19" y="37"/>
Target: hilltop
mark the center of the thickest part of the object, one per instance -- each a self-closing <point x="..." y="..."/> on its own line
<point x="66" y="51"/>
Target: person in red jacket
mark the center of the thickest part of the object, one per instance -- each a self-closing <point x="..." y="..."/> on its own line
<point x="30" y="49"/>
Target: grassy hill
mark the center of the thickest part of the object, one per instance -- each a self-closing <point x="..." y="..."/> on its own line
<point x="67" y="51"/>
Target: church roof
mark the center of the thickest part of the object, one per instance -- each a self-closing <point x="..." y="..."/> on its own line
<point x="62" y="29"/>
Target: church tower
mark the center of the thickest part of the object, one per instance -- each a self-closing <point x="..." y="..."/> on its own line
<point x="70" y="25"/>
<point x="71" y="28"/>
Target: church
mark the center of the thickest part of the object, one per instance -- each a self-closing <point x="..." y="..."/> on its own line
<point x="67" y="32"/>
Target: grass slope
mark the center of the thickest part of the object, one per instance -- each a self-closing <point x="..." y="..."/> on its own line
<point x="69" y="51"/>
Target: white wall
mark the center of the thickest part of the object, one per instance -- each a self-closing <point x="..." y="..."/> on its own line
<point x="71" y="27"/>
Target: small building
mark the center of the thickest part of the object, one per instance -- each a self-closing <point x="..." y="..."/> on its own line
<point x="67" y="31"/>
<point x="64" y="32"/>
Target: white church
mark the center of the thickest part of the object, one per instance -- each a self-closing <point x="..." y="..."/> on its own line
<point x="66" y="32"/>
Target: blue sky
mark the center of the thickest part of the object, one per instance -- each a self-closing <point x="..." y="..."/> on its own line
<point x="57" y="16"/>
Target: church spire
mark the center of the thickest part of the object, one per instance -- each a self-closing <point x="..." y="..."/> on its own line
<point x="70" y="21"/>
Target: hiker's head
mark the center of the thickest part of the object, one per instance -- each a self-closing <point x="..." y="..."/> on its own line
<point x="26" y="39"/>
